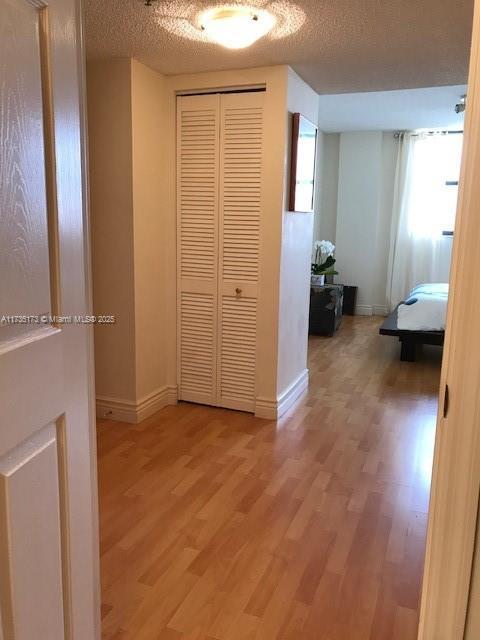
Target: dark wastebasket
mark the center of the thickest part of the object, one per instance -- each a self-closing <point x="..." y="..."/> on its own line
<point x="349" y="298"/>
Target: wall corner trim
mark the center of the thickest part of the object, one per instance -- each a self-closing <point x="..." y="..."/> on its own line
<point x="272" y="409"/>
<point x="132" y="411"/>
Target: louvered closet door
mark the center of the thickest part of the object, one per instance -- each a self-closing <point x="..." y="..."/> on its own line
<point x="240" y="205"/>
<point x="197" y="232"/>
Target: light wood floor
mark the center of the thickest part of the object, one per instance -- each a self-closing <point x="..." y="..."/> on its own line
<point x="218" y="525"/>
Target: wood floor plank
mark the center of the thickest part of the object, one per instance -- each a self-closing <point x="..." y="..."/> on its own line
<point x="216" y="525"/>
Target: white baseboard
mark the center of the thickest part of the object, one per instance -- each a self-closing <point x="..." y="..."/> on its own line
<point x="272" y="409"/>
<point x="363" y="310"/>
<point x="380" y="310"/>
<point x="370" y="310"/>
<point x="134" y="412"/>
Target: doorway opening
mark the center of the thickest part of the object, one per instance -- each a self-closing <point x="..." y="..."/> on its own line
<point x="381" y="256"/>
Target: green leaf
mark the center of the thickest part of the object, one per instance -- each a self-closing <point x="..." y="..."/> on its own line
<point x="329" y="262"/>
<point x="327" y="272"/>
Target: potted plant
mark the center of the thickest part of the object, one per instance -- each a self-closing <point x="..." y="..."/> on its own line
<point x="323" y="261"/>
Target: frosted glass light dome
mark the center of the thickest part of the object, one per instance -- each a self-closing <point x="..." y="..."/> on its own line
<point x="236" y="27"/>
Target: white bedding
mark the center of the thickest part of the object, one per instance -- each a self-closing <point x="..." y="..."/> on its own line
<point x="425" y="309"/>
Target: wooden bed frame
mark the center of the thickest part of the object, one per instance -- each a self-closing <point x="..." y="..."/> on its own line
<point x="409" y="339"/>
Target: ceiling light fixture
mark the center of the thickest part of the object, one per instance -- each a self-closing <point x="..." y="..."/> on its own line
<point x="190" y="18"/>
<point x="236" y="27"/>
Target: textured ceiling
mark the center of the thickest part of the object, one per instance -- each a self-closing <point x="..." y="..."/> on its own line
<point x="342" y="46"/>
<point x="426" y="108"/>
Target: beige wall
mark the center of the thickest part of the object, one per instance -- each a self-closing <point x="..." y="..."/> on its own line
<point x="125" y="126"/>
<point x="111" y="201"/>
<point x="150" y="263"/>
<point x="296" y="249"/>
<point x="138" y="356"/>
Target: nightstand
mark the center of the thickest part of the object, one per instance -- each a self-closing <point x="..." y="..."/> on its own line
<point x="325" y="309"/>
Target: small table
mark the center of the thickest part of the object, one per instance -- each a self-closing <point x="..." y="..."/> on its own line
<point x="325" y="309"/>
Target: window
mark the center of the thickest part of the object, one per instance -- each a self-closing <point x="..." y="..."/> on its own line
<point x="453" y="147"/>
<point x="435" y="171"/>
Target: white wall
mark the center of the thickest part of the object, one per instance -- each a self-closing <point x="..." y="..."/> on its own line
<point x="359" y="175"/>
<point x="296" y="250"/>
<point x="365" y="192"/>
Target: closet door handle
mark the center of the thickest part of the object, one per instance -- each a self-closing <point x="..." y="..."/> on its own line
<point x="238" y="291"/>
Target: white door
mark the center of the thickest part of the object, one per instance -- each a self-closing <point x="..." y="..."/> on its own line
<point x="219" y="177"/>
<point x="472" y="625"/>
<point x="48" y="527"/>
<point x="454" y="499"/>
<point x="197" y="251"/>
<point x="240" y="203"/>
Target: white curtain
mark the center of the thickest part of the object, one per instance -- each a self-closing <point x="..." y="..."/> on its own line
<point x="419" y="252"/>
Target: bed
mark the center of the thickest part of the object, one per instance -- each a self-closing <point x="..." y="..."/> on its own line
<point x="419" y="319"/>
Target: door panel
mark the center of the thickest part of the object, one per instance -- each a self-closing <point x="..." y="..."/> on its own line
<point x="26" y="364"/>
<point x="31" y="547"/>
<point x="219" y="173"/>
<point x="48" y="523"/>
<point x="240" y="207"/>
<point x="238" y="352"/>
<point x="24" y="257"/>
<point x="197" y="320"/>
<point x="197" y="195"/>
<point x="240" y="185"/>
